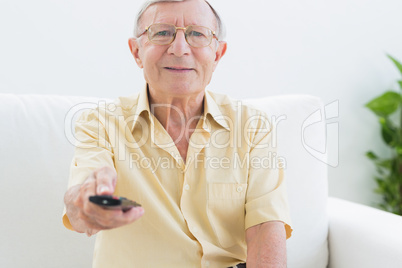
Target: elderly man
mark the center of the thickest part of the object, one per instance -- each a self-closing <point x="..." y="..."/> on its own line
<point x="192" y="158"/>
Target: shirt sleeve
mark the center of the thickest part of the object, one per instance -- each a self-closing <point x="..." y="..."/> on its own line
<point x="92" y="150"/>
<point x="266" y="198"/>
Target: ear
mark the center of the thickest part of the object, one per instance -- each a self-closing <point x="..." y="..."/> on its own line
<point x="135" y="48"/>
<point x="222" y="46"/>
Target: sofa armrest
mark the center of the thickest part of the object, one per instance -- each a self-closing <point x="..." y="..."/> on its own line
<point x="362" y="236"/>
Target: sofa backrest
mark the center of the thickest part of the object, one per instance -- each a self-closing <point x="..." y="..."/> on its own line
<point x="35" y="157"/>
<point x="36" y="150"/>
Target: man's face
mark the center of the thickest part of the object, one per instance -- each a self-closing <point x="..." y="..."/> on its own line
<point x="178" y="68"/>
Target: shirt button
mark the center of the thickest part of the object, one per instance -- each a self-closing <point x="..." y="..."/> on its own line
<point x="187" y="187"/>
<point x="239" y="189"/>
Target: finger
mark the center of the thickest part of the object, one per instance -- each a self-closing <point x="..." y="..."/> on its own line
<point x="86" y="189"/>
<point x="88" y="210"/>
<point x="96" y="217"/>
<point x="133" y="214"/>
<point x="106" y="178"/>
<point x="108" y="219"/>
<point x="90" y="232"/>
<point x="123" y="218"/>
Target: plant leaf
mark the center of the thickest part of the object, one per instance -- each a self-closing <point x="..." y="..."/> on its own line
<point x="388" y="131"/>
<point x="385" y="104"/>
<point x="371" y="155"/>
<point x="387" y="163"/>
<point x="387" y="137"/>
<point x="400" y="83"/>
<point x="396" y="62"/>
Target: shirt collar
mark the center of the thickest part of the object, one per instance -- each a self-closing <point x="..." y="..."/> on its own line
<point x="210" y="107"/>
<point x="142" y="106"/>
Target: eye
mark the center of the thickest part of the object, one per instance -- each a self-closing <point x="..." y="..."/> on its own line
<point x="196" y="34"/>
<point x="162" y="33"/>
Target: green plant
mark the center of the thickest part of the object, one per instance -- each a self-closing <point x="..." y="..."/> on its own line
<point x="388" y="108"/>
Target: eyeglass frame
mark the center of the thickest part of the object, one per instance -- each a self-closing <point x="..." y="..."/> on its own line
<point x="175" y="33"/>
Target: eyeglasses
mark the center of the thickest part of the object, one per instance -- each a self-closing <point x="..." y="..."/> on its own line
<point x="165" y="34"/>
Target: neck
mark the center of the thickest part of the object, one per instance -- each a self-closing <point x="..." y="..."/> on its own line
<point x="174" y="111"/>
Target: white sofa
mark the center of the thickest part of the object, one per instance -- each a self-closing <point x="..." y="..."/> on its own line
<point x="35" y="152"/>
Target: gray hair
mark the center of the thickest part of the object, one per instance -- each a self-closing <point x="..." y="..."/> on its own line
<point x="220" y="30"/>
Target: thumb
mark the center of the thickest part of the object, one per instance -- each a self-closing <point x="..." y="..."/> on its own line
<point x="106" y="178"/>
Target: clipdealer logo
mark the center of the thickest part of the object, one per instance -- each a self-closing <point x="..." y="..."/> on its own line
<point x="324" y="120"/>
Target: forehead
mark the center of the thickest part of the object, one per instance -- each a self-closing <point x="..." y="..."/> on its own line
<point x="192" y="12"/>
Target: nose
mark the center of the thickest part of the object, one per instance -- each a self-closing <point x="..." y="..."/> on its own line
<point x="179" y="47"/>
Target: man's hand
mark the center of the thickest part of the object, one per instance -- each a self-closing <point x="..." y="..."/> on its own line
<point x="86" y="217"/>
<point x="266" y="245"/>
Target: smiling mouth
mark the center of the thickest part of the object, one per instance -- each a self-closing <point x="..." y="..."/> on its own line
<point x="178" y="69"/>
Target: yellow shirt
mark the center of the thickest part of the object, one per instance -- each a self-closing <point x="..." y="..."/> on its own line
<point x="196" y="212"/>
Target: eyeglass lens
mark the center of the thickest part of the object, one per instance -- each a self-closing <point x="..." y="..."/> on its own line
<point x="164" y="34"/>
